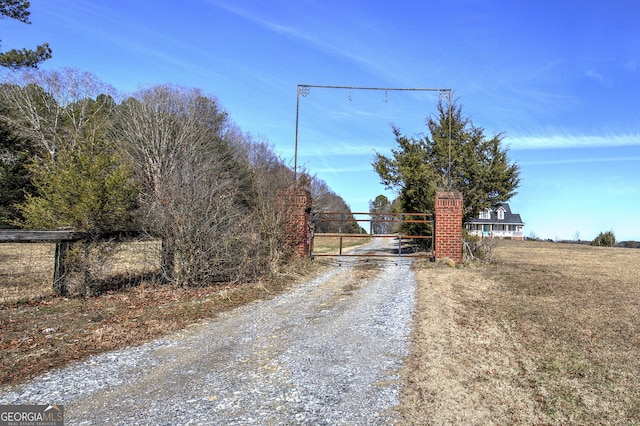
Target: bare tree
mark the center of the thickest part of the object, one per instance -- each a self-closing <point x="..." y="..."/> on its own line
<point x="270" y="175"/>
<point x="51" y="107"/>
<point x="196" y="194"/>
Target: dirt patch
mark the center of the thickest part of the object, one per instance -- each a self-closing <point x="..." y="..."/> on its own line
<point x="547" y="335"/>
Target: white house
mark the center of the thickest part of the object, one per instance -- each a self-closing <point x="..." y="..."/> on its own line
<point x="497" y="222"/>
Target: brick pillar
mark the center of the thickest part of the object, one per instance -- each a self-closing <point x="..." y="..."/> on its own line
<point x="296" y="206"/>
<point x="449" y="206"/>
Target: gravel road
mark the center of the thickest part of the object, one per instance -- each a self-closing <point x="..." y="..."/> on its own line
<point x="327" y="352"/>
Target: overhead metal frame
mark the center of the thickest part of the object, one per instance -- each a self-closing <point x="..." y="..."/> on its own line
<point x="303" y="90"/>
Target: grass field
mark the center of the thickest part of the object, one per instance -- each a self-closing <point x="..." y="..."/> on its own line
<point x="26" y="272"/>
<point x="547" y="335"/>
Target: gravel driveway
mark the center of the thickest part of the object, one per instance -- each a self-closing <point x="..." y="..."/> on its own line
<point x="327" y="352"/>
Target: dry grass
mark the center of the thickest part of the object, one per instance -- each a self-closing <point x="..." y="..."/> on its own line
<point x="547" y="335"/>
<point x="26" y="269"/>
<point x="331" y="245"/>
<point x="26" y="272"/>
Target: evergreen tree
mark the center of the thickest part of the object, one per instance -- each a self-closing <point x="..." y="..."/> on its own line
<point x="20" y="58"/>
<point x="456" y="156"/>
<point x="87" y="185"/>
<point x="78" y="176"/>
<point x="87" y="189"/>
<point x="605" y="239"/>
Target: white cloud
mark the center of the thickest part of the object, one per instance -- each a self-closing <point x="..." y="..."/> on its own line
<point x="595" y="76"/>
<point x="578" y="161"/>
<point x="572" y="141"/>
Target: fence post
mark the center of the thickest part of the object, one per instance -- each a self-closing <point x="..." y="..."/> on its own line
<point x="296" y="205"/>
<point x="448" y="232"/>
<point x="60" y="268"/>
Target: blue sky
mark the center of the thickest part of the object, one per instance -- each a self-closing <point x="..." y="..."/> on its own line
<point x="560" y="79"/>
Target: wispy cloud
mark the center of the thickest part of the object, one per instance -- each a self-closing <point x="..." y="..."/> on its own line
<point x="593" y="74"/>
<point x="578" y="161"/>
<point x="273" y="25"/>
<point x="572" y="141"/>
<point x="245" y="14"/>
<point x="334" y="41"/>
<point x="350" y="169"/>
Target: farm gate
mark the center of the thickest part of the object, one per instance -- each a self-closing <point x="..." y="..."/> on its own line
<point x="334" y="231"/>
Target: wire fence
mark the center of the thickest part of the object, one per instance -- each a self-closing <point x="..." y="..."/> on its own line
<point x="27" y="268"/>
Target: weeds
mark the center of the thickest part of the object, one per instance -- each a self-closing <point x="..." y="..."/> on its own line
<point x="475" y="248"/>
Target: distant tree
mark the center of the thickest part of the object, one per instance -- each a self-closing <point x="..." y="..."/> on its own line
<point x="380" y="222"/>
<point x="325" y="200"/>
<point x="20" y="58"/>
<point x="478" y="167"/>
<point x="604" y="239"/>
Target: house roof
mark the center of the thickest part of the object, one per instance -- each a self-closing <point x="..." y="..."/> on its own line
<point x="509" y="218"/>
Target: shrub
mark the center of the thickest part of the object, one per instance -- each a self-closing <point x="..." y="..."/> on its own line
<point x="477" y="248"/>
<point x="604" y="239"/>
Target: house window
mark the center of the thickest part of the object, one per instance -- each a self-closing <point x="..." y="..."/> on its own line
<point x="501" y="213"/>
<point x="485" y="214"/>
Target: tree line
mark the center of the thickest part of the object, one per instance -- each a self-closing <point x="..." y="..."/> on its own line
<point x="166" y="160"/>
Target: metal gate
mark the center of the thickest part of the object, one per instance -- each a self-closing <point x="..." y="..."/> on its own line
<point x="389" y="237"/>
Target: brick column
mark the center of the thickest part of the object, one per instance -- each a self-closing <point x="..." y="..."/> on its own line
<point x="449" y="206"/>
<point x="296" y="206"/>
